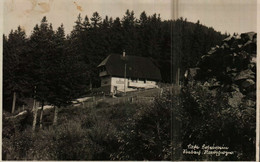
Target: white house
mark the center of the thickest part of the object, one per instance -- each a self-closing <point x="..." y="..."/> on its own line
<point x="121" y="73"/>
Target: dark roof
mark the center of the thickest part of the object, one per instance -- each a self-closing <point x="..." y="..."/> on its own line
<point x="136" y="67"/>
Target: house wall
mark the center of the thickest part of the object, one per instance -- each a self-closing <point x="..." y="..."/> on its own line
<point x="106" y="84"/>
<point x="142" y="84"/>
<point x="117" y="84"/>
<point x="131" y="85"/>
<point x="105" y="81"/>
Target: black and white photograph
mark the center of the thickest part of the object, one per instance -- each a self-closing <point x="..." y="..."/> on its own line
<point x="139" y="80"/>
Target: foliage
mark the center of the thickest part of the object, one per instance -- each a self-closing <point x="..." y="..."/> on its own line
<point x="14" y="66"/>
<point x="143" y="132"/>
<point x="147" y="134"/>
<point x="212" y="121"/>
<point x="196" y="116"/>
<point x="81" y="134"/>
<point x="153" y="132"/>
<point x="66" y="142"/>
<point x="18" y="147"/>
<point x="50" y="62"/>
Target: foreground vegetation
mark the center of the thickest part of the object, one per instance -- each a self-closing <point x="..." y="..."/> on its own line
<point x="138" y="132"/>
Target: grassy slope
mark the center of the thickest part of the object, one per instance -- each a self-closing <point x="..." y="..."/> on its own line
<point x="77" y="128"/>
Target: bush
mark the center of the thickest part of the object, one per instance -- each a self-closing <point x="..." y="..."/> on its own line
<point x="211" y="120"/>
<point x="81" y="134"/>
<point x="147" y="135"/>
<point x="156" y="131"/>
<point x="196" y="116"/>
<point x="103" y="125"/>
<point x="18" y="146"/>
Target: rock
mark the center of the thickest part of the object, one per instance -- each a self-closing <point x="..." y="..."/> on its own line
<point x="234" y="69"/>
<point x="228" y="39"/>
<point x="249" y="47"/>
<point x="204" y="57"/>
<point x="234" y="87"/>
<point x="248" y="83"/>
<point x="224" y="45"/>
<point x="206" y="84"/>
<point x="235" y="44"/>
<point x="249" y="117"/>
<point x="232" y="39"/>
<point x="214" y="83"/>
<point x="228" y="69"/>
<point x="252" y="67"/>
<point x="191" y="73"/>
<point x="251" y="95"/>
<point x="214" y="92"/>
<point x="231" y="75"/>
<point x="248" y="36"/>
<point x="234" y="66"/>
<point x="248" y="42"/>
<point x="209" y="70"/>
<point x="235" y="99"/>
<point x="253" y="60"/>
<point x="212" y="51"/>
<point x="250" y="103"/>
<point x="237" y="37"/>
<point x="226" y="88"/>
<point x="243" y="55"/>
<point x="245" y="74"/>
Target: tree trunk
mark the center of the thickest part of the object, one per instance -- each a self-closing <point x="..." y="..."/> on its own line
<point x="34" y="100"/>
<point x="35" y="109"/>
<point x="14" y="101"/>
<point x="55" y="115"/>
<point x="41" y="115"/>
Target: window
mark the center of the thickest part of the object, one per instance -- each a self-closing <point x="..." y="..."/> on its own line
<point x="103" y="68"/>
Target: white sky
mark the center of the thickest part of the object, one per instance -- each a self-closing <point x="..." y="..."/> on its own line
<point x="223" y="15"/>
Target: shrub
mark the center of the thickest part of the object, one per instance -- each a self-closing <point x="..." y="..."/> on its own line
<point x="211" y="120"/>
<point x="18" y="146"/>
<point x="67" y="141"/>
<point x="196" y="116"/>
<point x="147" y="135"/>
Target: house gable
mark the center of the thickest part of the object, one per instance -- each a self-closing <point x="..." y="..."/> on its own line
<point x="128" y="73"/>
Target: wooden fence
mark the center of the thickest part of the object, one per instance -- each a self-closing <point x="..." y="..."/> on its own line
<point x="139" y="97"/>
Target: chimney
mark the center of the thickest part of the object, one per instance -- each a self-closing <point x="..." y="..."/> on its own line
<point x="124" y="53"/>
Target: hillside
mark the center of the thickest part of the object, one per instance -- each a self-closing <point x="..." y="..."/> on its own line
<point x="223" y="90"/>
<point x="74" y="59"/>
<point x="216" y="107"/>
